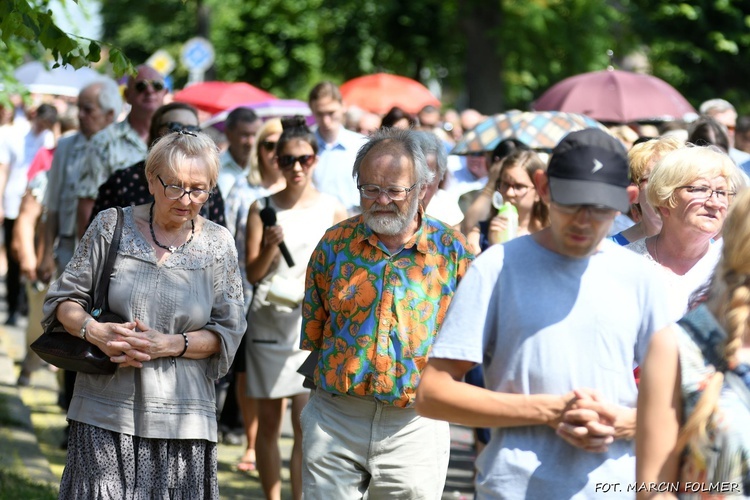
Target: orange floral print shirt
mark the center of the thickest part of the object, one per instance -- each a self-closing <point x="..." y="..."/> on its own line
<point x="374" y="316"/>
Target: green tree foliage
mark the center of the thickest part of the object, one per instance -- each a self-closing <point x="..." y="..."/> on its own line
<point x="285" y="46"/>
<point x="515" y="49"/>
<point x="143" y="27"/>
<point x="547" y="41"/>
<point x="27" y="28"/>
<point x="698" y="46"/>
<point x="273" y="44"/>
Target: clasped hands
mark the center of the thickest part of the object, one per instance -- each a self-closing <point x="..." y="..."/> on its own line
<point x="588" y="422"/>
<point x="130" y="343"/>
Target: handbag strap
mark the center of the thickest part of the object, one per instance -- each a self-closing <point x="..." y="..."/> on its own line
<point x="101" y="291"/>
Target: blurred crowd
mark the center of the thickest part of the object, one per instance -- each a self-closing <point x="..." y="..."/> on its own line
<point x="63" y="161"/>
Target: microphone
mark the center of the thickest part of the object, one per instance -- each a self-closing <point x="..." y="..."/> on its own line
<point x="268" y="216"/>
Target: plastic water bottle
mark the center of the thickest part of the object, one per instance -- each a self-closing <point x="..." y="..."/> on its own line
<point x="508" y="212"/>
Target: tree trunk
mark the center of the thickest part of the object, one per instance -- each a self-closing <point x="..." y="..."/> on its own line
<point x="481" y="21"/>
<point x="203" y="30"/>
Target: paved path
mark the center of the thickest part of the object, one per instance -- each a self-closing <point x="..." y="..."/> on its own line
<point x="37" y="451"/>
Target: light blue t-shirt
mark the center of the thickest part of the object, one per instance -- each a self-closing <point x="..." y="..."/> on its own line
<point x="543" y="323"/>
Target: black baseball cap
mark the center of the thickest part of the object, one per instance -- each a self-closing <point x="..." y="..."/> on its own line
<point x="589" y="167"/>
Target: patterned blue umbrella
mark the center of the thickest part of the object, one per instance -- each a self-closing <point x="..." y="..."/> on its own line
<point x="540" y="130"/>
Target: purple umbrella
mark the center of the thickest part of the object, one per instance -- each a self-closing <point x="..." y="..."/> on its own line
<point x="614" y="96"/>
<point x="273" y="108"/>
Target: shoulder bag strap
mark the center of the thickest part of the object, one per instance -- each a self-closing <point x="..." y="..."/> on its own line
<point x="101" y="291"/>
<point x="707" y="334"/>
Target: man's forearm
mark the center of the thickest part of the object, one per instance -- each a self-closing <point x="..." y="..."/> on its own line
<point x="442" y="397"/>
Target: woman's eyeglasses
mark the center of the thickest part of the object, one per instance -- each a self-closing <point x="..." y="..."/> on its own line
<point x="288" y="161"/>
<point x="141" y="85"/>
<point x="704" y="193"/>
<point x="268" y="145"/>
<point x="172" y="192"/>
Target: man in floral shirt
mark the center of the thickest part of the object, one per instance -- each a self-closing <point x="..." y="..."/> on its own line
<point x="378" y="286"/>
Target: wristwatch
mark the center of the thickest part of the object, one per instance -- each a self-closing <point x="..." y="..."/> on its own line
<point x="82" y="331"/>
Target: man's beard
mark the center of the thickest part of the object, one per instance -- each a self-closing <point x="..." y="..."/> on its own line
<point x="393" y="223"/>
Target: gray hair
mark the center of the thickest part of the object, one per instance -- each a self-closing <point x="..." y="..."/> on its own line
<point x="110" y="98"/>
<point x="408" y="141"/>
<point x="715" y="106"/>
<point x="171" y="151"/>
<point x="432" y="146"/>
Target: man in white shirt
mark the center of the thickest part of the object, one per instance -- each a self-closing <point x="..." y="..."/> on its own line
<point x="14" y="166"/>
<point x="121" y="144"/>
<point x="241" y="128"/>
<point x="338" y="146"/>
<point x="99" y="103"/>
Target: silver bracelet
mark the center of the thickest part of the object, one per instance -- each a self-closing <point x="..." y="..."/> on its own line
<point x="82" y="331"/>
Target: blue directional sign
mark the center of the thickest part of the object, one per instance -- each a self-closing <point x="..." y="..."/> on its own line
<point x="197" y="54"/>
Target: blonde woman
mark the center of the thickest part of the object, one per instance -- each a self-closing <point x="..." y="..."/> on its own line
<point x="693" y="437"/>
<point x="264" y="179"/>
<point x="691" y="189"/>
<point x="641" y="159"/>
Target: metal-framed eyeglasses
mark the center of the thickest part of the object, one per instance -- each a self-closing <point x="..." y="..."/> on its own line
<point x="172" y="192"/>
<point x="519" y="189"/>
<point x="395" y="193"/>
<point x="705" y="193"/>
<point x="596" y="212"/>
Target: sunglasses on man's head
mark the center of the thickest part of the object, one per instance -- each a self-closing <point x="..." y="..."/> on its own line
<point x="288" y="161"/>
<point x="142" y="85"/>
<point x="268" y="145"/>
<point x="181" y="127"/>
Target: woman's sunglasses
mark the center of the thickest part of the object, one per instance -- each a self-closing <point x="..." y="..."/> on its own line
<point x="268" y="145"/>
<point x="288" y="161"/>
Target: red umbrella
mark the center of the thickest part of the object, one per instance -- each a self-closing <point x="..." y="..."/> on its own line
<point x="614" y="96"/>
<point x="214" y="97"/>
<point x="380" y="92"/>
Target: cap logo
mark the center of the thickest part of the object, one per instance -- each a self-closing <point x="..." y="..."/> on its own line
<point x="597" y="166"/>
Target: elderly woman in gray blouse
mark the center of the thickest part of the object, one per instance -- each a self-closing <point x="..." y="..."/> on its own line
<point x="149" y="430"/>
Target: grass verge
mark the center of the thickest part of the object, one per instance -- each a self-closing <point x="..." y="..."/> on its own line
<point x="16" y="486"/>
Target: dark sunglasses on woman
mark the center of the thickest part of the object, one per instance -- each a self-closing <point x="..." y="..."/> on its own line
<point x="268" y="145"/>
<point x="288" y="161"/>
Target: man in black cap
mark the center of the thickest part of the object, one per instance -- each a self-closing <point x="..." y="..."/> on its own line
<point x="558" y="318"/>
